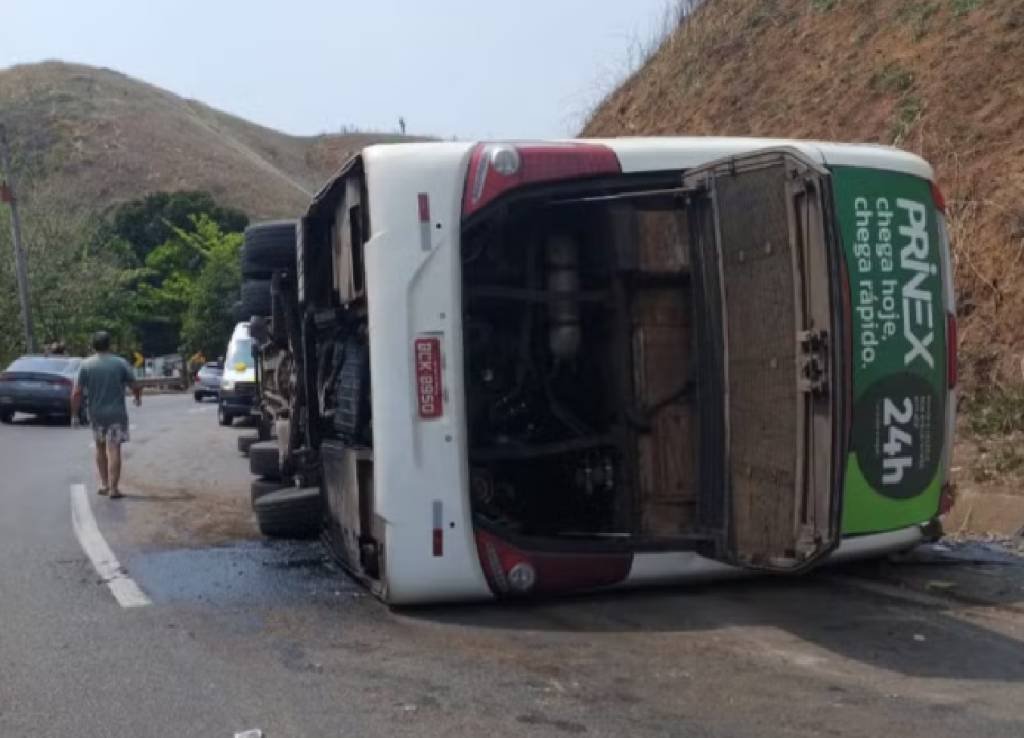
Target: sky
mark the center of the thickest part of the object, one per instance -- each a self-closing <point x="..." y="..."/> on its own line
<point x="463" y="68"/>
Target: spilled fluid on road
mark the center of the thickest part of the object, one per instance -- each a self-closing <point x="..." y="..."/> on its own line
<point x="255" y="573"/>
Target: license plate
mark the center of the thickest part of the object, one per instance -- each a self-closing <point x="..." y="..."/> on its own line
<point x="31" y="385"/>
<point x="429" y="398"/>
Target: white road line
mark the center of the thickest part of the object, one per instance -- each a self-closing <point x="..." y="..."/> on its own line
<point x="124" y="589"/>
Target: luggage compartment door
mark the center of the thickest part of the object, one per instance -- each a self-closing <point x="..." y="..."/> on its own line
<point x="766" y="263"/>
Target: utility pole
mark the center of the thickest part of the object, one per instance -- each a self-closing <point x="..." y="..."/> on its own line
<point x="7" y="194"/>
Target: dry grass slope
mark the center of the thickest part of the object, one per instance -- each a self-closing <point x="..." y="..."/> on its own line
<point x="944" y="78"/>
<point x="99" y="137"/>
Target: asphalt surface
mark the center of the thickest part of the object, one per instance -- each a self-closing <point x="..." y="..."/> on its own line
<point x="242" y="634"/>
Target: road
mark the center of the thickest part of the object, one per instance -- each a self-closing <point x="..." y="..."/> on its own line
<point x="242" y="634"/>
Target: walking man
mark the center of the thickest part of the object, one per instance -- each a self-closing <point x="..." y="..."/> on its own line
<point x="103" y="379"/>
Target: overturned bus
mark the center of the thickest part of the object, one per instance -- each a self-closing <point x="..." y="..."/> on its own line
<point x="504" y="369"/>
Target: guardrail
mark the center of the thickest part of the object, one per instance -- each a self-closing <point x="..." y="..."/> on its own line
<point x="176" y="384"/>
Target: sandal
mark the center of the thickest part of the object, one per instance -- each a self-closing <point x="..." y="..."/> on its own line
<point x="102" y="491"/>
<point x="115" y="494"/>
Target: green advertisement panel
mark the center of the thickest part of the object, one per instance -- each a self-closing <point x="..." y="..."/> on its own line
<point x="890" y="234"/>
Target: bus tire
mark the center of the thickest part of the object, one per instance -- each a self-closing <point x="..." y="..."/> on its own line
<point x="265" y="460"/>
<point x="224" y="417"/>
<point x="290" y="513"/>
<point x="256" y="297"/>
<point x="269" y="247"/>
<point x="262" y="487"/>
<point x="244" y="442"/>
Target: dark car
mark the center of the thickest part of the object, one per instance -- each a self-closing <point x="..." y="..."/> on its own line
<point x="40" y="385"/>
<point x="208" y="381"/>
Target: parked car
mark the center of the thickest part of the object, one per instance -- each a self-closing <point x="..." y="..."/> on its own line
<point x="208" y="380"/>
<point x="238" y="381"/>
<point x="40" y="385"/>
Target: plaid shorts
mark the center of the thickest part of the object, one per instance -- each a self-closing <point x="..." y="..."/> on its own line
<point x="114" y="433"/>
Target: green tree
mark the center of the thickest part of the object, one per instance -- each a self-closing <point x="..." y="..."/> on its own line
<point x="147" y="234"/>
<point x="193" y="279"/>
<point x="209" y="319"/>
<point x="86" y="274"/>
<point x="145" y="224"/>
<point x="75" y="288"/>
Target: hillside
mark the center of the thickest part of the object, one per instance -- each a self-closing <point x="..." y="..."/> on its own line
<point x="944" y="78"/>
<point x="106" y="137"/>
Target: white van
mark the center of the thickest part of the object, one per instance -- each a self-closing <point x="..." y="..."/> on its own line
<point x="238" y="383"/>
<point x="533" y="368"/>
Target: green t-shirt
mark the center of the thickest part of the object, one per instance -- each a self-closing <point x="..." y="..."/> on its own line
<point x="103" y="378"/>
